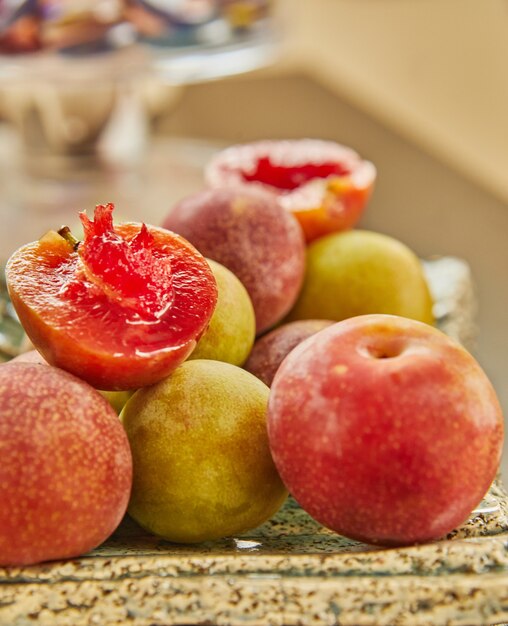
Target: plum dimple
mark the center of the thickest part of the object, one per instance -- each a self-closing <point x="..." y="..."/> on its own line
<point x="247" y="232"/>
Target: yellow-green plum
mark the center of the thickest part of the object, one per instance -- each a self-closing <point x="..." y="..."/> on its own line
<point x="117" y="399"/>
<point x="232" y="329"/>
<point x="202" y="464"/>
<point x="361" y="272"/>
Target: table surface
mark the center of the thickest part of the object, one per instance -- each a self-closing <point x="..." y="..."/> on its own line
<point x="289" y="571"/>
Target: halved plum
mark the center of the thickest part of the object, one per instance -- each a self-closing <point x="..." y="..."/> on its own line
<point x="121" y="309"/>
<point x="324" y="184"/>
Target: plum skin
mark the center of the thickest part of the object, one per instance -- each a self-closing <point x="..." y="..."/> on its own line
<point x="249" y="233"/>
<point x="385" y="430"/>
<point x="116" y="399"/>
<point x="232" y="327"/>
<point x="323" y="184"/>
<point x="66" y="468"/>
<point x="360" y="272"/>
<point x="271" y="349"/>
<point x="202" y="464"/>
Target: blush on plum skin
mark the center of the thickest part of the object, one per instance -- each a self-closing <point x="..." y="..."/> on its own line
<point x="246" y="231"/>
<point x="385" y="430"/>
<point x="270" y="350"/>
<point x="66" y="470"/>
<point x="115" y="398"/>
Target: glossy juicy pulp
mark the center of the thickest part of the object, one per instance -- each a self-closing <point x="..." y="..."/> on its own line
<point x="129" y="272"/>
<point x="383" y="437"/>
<point x="55" y="287"/>
<point x="321" y="195"/>
<point x="78" y="327"/>
<point x="288" y="178"/>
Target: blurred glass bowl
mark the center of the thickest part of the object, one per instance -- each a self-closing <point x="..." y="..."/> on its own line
<point x="82" y="79"/>
<point x="50" y="33"/>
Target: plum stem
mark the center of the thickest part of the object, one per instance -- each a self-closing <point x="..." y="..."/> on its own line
<point x="65" y="232"/>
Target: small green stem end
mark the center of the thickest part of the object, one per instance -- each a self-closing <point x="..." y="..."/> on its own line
<point x="65" y="232"/>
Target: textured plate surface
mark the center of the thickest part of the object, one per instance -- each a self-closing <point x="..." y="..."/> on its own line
<point x="289" y="571"/>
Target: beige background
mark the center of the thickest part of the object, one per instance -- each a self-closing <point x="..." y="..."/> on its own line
<point x="433" y="69"/>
